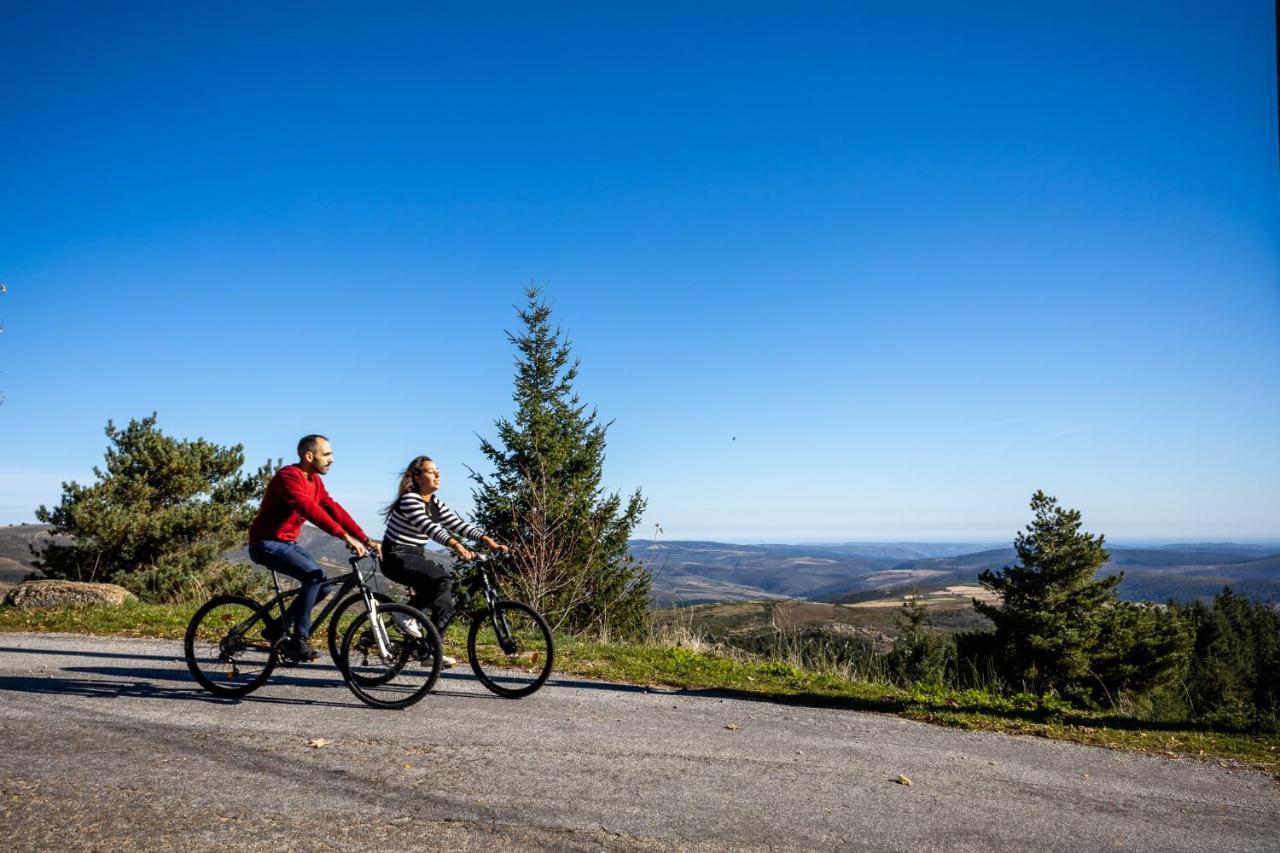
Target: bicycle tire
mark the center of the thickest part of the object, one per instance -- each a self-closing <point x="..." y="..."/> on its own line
<point x="336" y="628"/>
<point x="518" y="671"/>
<point x="405" y="678"/>
<point x="223" y="663"/>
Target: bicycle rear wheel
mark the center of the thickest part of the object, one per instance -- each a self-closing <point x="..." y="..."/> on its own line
<point x="406" y="673"/>
<point x="224" y="646"/>
<point x="510" y="649"/>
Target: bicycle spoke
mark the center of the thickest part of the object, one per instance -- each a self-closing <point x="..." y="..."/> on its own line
<point x="397" y="671"/>
<point x="224" y="646"/>
<point x="511" y="649"/>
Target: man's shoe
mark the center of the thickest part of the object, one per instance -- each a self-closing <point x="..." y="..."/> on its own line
<point x="300" y="651"/>
<point x="447" y="662"/>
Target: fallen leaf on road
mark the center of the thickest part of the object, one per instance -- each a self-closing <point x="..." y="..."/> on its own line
<point x="733" y="727"/>
<point x="317" y="742"/>
<point x="904" y="780"/>
<point x="408" y="767"/>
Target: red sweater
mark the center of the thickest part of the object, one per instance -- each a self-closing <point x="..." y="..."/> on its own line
<point x="291" y="499"/>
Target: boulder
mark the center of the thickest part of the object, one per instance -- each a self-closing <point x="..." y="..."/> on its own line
<point x="52" y="593"/>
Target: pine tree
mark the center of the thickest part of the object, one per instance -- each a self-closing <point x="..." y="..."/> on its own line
<point x="1052" y="611"/>
<point x="920" y="654"/>
<point x="159" y="518"/>
<point x="545" y="494"/>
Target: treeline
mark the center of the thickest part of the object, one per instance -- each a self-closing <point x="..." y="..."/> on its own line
<point x="1061" y="631"/>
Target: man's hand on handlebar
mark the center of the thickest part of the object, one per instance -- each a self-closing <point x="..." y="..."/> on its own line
<point x="354" y="545"/>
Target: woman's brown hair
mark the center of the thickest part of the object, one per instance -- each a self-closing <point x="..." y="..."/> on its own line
<point x="406" y="483"/>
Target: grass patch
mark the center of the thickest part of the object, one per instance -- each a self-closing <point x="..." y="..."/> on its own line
<point x="676" y="666"/>
<point x="131" y="619"/>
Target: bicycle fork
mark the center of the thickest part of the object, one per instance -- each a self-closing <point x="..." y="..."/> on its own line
<point x="501" y="627"/>
<point x="379" y="630"/>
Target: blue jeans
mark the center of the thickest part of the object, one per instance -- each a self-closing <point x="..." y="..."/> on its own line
<point x="290" y="559"/>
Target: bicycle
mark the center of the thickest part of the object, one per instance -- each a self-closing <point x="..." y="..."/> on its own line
<point x="233" y="643"/>
<point x="509" y="644"/>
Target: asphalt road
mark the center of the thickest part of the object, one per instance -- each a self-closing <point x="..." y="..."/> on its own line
<point x="109" y="744"/>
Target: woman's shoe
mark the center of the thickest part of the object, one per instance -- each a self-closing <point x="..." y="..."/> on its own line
<point x="407" y="624"/>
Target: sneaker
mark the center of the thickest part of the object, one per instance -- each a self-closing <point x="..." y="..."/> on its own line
<point x="424" y="651"/>
<point x="407" y="624"/>
<point x="300" y="651"/>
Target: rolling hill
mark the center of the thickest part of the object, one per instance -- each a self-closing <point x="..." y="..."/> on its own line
<point x="688" y="572"/>
<point x="697" y="572"/>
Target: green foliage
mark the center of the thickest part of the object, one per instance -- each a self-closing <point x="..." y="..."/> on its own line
<point x="545" y="494"/>
<point x="1140" y="648"/>
<point x="1049" y="621"/>
<point x="158" y="519"/>
<point x="920" y="654"/>
<point x="1060" y="628"/>
<point x="1233" y="677"/>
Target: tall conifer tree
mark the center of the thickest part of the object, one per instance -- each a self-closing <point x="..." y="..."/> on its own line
<point x="545" y="493"/>
<point x="1049" y="621"/>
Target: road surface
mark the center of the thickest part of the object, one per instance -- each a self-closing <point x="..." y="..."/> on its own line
<point x="109" y="744"/>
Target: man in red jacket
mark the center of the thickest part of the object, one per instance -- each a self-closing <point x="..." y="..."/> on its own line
<point x="294" y="495"/>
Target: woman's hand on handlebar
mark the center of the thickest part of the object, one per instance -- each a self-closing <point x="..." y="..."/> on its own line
<point x="494" y="545"/>
<point x="463" y="552"/>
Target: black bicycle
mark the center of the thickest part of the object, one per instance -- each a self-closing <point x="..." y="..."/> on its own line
<point x="509" y="644"/>
<point x="233" y="643"/>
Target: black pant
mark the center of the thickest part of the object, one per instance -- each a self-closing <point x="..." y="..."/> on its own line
<point x="432" y="583"/>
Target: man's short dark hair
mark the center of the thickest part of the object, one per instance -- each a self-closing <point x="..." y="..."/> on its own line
<point x="309" y="442"/>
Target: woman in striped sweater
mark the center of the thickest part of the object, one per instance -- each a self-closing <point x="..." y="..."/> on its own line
<point x="415" y="516"/>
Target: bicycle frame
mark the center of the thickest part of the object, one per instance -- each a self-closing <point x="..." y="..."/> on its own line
<point x="481" y="579"/>
<point x="354" y="578"/>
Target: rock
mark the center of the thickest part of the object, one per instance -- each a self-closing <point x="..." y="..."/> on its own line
<point x="52" y="593"/>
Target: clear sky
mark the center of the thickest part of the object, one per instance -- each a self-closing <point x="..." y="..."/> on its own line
<point x="835" y="271"/>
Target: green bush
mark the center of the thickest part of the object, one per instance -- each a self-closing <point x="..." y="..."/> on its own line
<point x="158" y="519"/>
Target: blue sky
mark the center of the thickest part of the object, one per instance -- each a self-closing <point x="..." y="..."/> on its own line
<point x="835" y="271"/>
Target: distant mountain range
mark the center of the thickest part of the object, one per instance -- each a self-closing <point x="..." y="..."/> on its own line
<point x="688" y="572"/>
<point x="698" y="572"/>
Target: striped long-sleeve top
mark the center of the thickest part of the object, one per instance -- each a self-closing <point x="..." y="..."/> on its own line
<point x="414" y="520"/>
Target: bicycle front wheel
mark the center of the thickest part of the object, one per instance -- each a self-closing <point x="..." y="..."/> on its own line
<point x="510" y="649"/>
<point x="225" y="649"/>
<point x="350" y="610"/>
<point x="406" y="671"/>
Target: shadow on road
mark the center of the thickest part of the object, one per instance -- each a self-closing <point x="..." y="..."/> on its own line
<point x="168" y="683"/>
<point x="177" y="647"/>
<point x="135" y="687"/>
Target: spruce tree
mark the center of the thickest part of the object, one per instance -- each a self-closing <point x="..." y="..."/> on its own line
<point x="545" y="493"/>
<point x="159" y="518"/>
<point x="1052" y="611"/>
